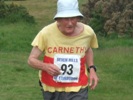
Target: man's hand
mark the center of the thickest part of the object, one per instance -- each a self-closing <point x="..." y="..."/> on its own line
<point x="51" y="69"/>
<point x="93" y="79"/>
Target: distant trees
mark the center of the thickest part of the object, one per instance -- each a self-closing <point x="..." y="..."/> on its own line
<point x="14" y="13"/>
<point x="110" y="16"/>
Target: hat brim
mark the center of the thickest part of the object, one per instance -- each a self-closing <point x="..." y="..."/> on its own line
<point x="66" y="14"/>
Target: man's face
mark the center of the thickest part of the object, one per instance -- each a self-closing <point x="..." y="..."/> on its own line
<point x="67" y="25"/>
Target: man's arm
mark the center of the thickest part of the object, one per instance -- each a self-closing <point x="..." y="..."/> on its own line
<point x="93" y="76"/>
<point x="34" y="62"/>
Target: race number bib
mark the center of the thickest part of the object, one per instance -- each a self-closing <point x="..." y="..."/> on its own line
<point x="69" y="66"/>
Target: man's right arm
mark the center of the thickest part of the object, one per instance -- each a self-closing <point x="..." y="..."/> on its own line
<point x="34" y="62"/>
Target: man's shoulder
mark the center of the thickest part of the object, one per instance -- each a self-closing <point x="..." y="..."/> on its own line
<point x="48" y="28"/>
<point x="50" y="25"/>
<point x="88" y="28"/>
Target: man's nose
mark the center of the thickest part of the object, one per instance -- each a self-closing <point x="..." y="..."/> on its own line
<point x="70" y="21"/>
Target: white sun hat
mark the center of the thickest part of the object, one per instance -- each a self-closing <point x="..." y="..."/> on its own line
<point x="67" y="8"/>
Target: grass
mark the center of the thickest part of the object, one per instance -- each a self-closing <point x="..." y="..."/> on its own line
<point x="20" y="82"/>
<point x="17" y="80"/>
<point x="115" y="72"/>
<point x="17" y="36"/>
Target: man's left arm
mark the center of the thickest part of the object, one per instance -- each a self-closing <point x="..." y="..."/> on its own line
<point x="93" y="78"/>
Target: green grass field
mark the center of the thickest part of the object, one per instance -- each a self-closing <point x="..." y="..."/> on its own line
<point x="18" y="81"/>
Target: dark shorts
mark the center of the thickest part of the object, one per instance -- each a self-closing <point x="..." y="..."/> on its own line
<point x="81" y="95"/>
